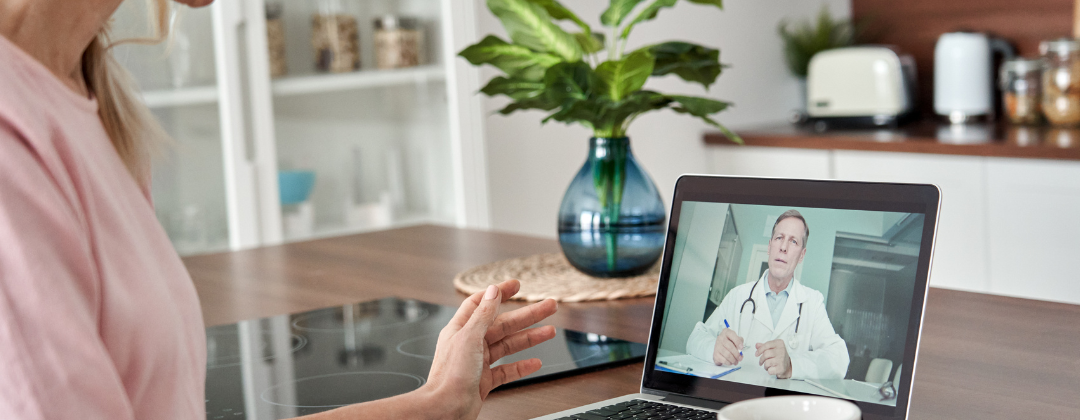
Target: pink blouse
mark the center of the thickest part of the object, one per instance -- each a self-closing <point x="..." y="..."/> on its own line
<point x="98" y="316"/>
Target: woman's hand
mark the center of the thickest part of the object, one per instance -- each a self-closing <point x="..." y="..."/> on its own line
<point x="461" y="375"/>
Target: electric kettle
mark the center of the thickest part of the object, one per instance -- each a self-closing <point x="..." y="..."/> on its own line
<point x="964" y="74"/>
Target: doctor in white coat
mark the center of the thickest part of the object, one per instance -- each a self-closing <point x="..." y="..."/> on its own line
<point x="776" y="319"/>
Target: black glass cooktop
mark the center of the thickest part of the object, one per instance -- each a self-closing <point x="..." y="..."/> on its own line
<point x="293" y="365"/>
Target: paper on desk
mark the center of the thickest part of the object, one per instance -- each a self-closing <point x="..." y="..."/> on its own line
<point x="699" y="367"/>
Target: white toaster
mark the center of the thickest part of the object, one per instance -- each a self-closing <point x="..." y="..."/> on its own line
<point x="860" y="86"/>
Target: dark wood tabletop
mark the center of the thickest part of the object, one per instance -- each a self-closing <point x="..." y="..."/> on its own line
<point x="926" y="136"/>
<point x="982" y="356"/>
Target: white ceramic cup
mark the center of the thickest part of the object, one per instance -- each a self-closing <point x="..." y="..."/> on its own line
<point x="796" y="407"/>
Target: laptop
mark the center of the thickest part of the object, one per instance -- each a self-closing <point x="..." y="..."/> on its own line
<point x="823" y="283"/>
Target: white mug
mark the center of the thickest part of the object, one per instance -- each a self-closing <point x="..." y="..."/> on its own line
<point x="796" y="407"/>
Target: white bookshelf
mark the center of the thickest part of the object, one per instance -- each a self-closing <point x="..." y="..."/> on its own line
<point x="200" y="95"/>
<point x="301" y="85"/>
<point x="321" y="83"/>
<point x="412" y="132"/>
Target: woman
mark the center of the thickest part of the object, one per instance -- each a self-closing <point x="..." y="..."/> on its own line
<point x="98" y="317"/>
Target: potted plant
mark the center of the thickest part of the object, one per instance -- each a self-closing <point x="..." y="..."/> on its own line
<point x="611" y="222"/>
<point x="805" y="39"/>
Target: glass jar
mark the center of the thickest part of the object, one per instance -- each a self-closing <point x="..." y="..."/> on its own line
<point x="1020" y="86"/>
<point x="275" y="38"/>
<point x="1061" y="81"/>
<point x="335" y="38"/>
<point x="399" y="42"/>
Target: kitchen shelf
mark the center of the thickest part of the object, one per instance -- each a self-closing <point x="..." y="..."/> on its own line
<point x="166" y="98"/>
<point x="319" y="83"/>
<point x="405" y="220"/>
<point x="926" y="136"/>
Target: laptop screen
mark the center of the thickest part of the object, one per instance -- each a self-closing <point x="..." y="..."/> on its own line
<point x="792" y="292"/>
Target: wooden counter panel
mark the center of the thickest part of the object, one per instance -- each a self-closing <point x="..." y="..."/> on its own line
<point x="996" y="140"/>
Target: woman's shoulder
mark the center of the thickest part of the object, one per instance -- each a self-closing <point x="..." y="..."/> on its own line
<point x="33" y="102"/>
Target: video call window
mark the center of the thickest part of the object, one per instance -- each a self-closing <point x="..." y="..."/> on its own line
<point x="837" y="325"/>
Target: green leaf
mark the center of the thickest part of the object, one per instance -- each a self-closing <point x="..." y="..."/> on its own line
<point x="693" y="63"/>
<point x="530" y="25"/>
<point x="566" y="83"/>
<point x="649" y="13"/>
<point x="590" y="42"/>
<point x="637" y="103"/>
<point x="626" y="76"/>
<point x="540" y="103"/>
<point x="702" y="108"/>
<point x="697" y="106"/>
<point x="560" y="12"/>
<point x="717" y="3"/>
<point x="727" y="132"/>
<point x="516" y="60"/>
<point x="583" y="112"/>
<point x="516" y="89"/>
<point x="617" y="11"/>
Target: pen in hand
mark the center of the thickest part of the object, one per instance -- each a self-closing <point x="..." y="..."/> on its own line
<point x="726" y="325"/>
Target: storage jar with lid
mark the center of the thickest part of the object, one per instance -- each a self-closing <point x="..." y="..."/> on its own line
<point x="335" y="38"/>
<point x="1061" y="81"/>
<point x="399" y="42"/>
<point x="1020" y="85"/>
<point x="275" y="37"/>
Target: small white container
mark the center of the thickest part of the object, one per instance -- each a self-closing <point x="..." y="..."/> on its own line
<point x="791" y="408"/>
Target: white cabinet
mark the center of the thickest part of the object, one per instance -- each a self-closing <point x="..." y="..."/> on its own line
<point x="770" y="161"/>
<point x="387" y="147"/>
<point x="1008" y="226"/>
<point x="960" y="255"/>
<point x="1032" y="210"/>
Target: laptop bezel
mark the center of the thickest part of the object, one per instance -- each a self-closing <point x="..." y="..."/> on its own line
<point x="898" y="197"/>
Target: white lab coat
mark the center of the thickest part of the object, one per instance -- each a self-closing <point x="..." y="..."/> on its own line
<point x="816" y="351"/>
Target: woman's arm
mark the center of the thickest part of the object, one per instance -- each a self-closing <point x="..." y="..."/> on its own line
<point x="461" y="375"/>
<point x="53" y="362"/>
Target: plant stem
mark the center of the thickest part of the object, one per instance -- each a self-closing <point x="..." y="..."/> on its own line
<point x="613" y="45"/>
<point x="609" y="178"/>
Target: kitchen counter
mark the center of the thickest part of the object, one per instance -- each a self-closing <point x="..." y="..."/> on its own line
<point x="930" y="137"/>
<point x="982" y="356"/>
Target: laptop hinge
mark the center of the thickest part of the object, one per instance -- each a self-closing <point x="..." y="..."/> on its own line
<point x="698" y="402"/>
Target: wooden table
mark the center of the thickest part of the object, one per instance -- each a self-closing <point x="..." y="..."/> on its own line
<point x="982" y="356"/>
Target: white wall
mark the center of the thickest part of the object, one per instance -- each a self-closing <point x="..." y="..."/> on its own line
<point x="529" y="166"/>
<point x="702" y="225"/>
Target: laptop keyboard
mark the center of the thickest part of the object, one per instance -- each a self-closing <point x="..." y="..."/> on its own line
<point x="641" y="410"/>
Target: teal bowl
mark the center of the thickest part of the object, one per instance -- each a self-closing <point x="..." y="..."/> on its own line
<point x="295" y="186"/>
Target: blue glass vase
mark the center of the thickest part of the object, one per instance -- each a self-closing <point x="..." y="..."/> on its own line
<point x="611" y="222"/>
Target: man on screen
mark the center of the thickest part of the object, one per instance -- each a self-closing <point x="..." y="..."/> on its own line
<point x="776" y="319"/>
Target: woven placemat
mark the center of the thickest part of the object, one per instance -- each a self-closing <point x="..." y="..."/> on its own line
<point x="545" y="276"/>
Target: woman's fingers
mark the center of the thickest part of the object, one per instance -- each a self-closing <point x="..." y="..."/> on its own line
<point x="485" y="313"/>
<point x="519" y="319"/>
<point x="509" y="288"/>
<point x="511" y="372"/>
<point x="520" y="341"/>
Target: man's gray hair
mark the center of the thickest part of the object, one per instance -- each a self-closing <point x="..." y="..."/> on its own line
<point x="793" y="213"/>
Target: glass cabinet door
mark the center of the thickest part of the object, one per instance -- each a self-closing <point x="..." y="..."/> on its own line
<point x="300" y="119"/>
<point x="178" y="83"/>
<point x="362" y="111"/>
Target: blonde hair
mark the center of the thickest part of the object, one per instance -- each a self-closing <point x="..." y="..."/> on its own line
<point x="133" y="130"/>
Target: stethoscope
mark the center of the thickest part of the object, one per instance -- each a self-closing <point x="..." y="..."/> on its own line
<point x="753" y="311"/>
